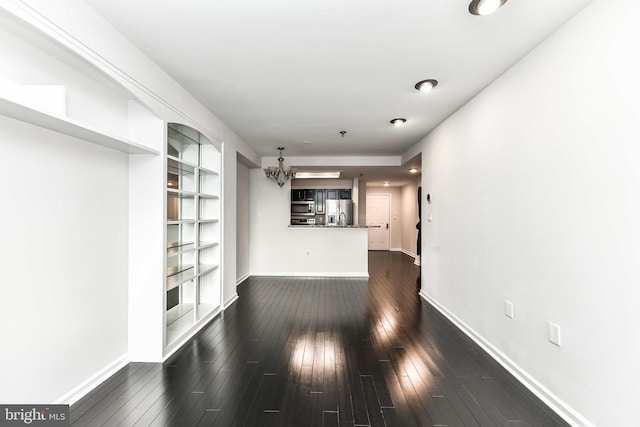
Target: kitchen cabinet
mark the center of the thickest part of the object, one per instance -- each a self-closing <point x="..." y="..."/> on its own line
<point x="344" y="194"/>
<point x="303" y="195"/>
<point x="332" y="194"/>
<point x="311" y="206"/>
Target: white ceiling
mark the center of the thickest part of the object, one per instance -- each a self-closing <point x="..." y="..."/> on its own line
<point x="281" y="72"/>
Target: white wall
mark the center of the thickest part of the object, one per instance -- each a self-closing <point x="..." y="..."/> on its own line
<point x="63" y="224"/>
<point x="229" y="217"/>
<point x="234" y="244"/>
<point x="147" y="204"/>
<point x="243" y="209"/>
<point x="277" y="249"/>
<point x="535" y="199"/>
<point x="409" y="212"/>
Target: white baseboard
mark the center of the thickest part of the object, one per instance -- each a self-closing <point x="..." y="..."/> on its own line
<point x="92" y="382"/>
<point x="565" y="411"/>
<point x="312" y="274"/>
<point x="406" y="252"/>
<point x="242" y="279"/>
<point x="416" y="258"/>
<point x="230" y="301"/>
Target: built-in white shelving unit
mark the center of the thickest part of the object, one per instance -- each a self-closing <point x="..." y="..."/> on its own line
<point x="172" y="244"/>
<point x="68" y="126"/>
<point x="192" y="231"/>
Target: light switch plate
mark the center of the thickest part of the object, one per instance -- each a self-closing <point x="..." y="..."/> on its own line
<point x="430" y="217"/>
<point x="554" y="334"/>
<point x="508" y="309"/>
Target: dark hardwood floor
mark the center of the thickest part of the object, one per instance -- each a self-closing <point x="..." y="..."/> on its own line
<point x="321" y="352"/>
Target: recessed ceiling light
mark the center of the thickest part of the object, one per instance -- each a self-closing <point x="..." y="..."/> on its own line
<point x="485" y="7"/>
<point x="306" y="142"/>
<point x="398" y="122"/>
<point x="386" y="184"/>
<point x="306" y="175"/>
<point x="413" y="170"/>
<point x="426" y="85"/>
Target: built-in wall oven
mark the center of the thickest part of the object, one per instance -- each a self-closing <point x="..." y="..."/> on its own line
<point x="303" y="212"/>
<point x="303" y="220"/>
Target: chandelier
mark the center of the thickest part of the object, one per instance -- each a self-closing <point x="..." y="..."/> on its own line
<point x="280" y="174"/>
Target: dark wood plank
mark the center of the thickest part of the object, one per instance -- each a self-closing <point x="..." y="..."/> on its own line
<point x="400" y="414"/>
<point x="372" y="401"/>
<point x="356" y="391"/>
<point x="118" y="396"/>
<point x="88" y="402"/>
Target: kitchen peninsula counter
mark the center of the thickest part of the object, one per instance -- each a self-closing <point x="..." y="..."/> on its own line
<point x="328" y="226"/>
<point x="314" y="251"/>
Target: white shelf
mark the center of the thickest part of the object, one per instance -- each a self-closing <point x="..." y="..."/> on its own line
<point x="181" y="193"/>
<point x="189" y="165"/>
<point x="176" y="166"/>
<point x="177" y="245"/>
<point x="181" y="221"/>
<point x="179" y="320"/>
<point x="205" y="245"/>
<point x="209" y="196"/>
<point x="177" y="312"/>
<point x="206" y="268"/>
<point x="208" y="171"/>
<point x="173" y="252"/>
<point x="177" y="279"/>
<point x="205" y="309"/>
<point x="71" y="127"/>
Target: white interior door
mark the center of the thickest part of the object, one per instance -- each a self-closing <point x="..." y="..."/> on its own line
<point x="378" y="220"/>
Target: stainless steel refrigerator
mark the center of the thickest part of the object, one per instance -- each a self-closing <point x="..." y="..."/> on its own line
<point x="339" y="212"/>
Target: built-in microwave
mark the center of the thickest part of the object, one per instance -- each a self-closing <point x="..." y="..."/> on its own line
<point x="303" y="208"/>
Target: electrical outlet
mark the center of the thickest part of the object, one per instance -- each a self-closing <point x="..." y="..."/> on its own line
<point x="430" y="217"/>
<point x="554" y="334"/>
<point x="307" y="253"/>
<point x="508" y="309"/>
